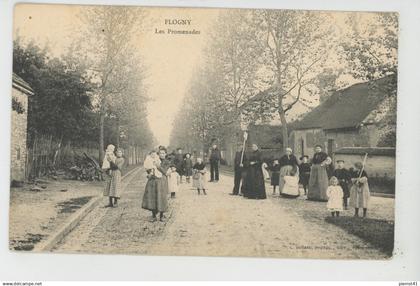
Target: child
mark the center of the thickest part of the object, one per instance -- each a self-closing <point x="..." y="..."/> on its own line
<point x="173" y="180"/>
<point x="291" y="184"/>
<point x="199" y="179"/>
<point x="359" y="192"/>
<point x="109" y="157"/>
<point x="304" y="172"/>
<point x="151" y="163"/>
<point x="275" y="174"/>
<point x="343" y="176"/>
<point x="188" y="167"/>
<point x="335" y="197"/>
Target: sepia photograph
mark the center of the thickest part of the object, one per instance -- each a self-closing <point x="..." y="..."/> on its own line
<point x="174" y="131"/>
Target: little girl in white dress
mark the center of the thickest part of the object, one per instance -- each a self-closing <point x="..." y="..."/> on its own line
<point x="335" y="196"/>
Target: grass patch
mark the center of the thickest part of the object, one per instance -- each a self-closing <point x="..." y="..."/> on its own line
<point x="28" y="243"/>
<point x="72" y="205"/>
<point x="377" y="232"/>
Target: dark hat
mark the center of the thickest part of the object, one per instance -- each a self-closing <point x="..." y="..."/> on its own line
<point x="319" y="145"/>
<point x="340" y="160"/>
<point x="304" y="156"/>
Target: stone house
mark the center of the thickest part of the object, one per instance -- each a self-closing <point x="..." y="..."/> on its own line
<point x="20" y="92"/>
<point x="351" y="117"/>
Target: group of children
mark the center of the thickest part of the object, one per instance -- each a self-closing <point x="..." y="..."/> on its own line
<point x="348" y="185"/>
<point x="344" y="185"/>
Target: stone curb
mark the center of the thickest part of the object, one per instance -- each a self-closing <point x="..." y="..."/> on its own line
<point x="72" y="222"/>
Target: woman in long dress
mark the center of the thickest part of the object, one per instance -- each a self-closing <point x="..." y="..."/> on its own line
<point x="255" y="185"/>
<point x="288" y="164"/>
<point x="114" y="186"/>
<point x="318" y="179"/>
<point x="155" y="197"/>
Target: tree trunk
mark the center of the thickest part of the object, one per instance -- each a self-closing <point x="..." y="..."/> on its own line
<point x="284" y="128"/>
<point x="101" y="136"/>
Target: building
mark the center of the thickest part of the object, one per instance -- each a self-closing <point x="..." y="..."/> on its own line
<point x="20" y="92"/>
<point x="351" y="117"/>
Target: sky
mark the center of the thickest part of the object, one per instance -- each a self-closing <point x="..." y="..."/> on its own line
<point x="169" y="58"/>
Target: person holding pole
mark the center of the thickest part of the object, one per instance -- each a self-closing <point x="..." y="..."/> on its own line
<point x="359" y="192"/>
<point x="214" y="159"/>
<point x="239" y="171"/>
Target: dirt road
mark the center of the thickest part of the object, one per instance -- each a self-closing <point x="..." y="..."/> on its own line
<point x="215" y="225"/>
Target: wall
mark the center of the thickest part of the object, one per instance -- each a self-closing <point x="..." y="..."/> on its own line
<point x="18" y="144"/>
<point x="365" y="136"/>
<point x="380" y="169"/>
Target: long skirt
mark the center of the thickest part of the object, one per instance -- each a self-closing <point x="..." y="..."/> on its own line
<point x="359" y="196"/>
<point x="285" y="171"/>
<point x="199" y="181"/>
<point x="113" y="185"/>
<point x="255" y="185"/>
<point x="318" y="183"/>
<point x="155" y="196"/>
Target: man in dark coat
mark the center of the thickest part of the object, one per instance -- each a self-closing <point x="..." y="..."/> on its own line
<point x="239" y="171"/>
<point x="215" y="157"/>
<point x="179" y="163"/>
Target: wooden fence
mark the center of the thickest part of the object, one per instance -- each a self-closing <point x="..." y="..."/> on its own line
<point x="48" y="154"/>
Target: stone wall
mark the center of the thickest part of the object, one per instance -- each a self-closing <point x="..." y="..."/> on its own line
<point x="365" y="136"/>
<point x="18" y="142"/>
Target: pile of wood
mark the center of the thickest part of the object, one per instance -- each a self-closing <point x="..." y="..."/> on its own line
<point x="86" y="168"/>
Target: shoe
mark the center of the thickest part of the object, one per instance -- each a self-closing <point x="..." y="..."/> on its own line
<point x="233" y="194"/>
<point x="109" y="206"/>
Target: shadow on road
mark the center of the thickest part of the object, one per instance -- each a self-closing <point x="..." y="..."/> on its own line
<point x="377" y="232"/>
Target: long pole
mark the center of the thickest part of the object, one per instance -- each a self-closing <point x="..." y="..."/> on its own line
<point x="363" y="165"/>
<point x="243" y="146"/>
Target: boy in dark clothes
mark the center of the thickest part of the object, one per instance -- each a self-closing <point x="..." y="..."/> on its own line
<point x="304" y="172"/>
<point x="275" y="174"/>
<point x="344" y="177"/>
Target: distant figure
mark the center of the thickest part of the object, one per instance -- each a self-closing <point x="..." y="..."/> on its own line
<point x="344" y="179"/>
<point x="155" y="196"/>
<point x="275" y="174"/>
<point x="199" y="177"/>
<point x="318" y="179"/>
<point x="239" y="172"/>
<point x="255" y="185"/>
<point x="215" y="157"/>
<point x="335" y="197"/>
<point x="288" y="162"/>
<point x="114" y="186"/>
<point x="188" y="164"/>
<point x="179" y="163"/>
<point x="359" y="192"/>
<point x="304" y="173"/>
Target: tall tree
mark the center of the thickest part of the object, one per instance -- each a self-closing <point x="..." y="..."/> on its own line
<point x="108" y="41"/>
<point x="295" y="44"/>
